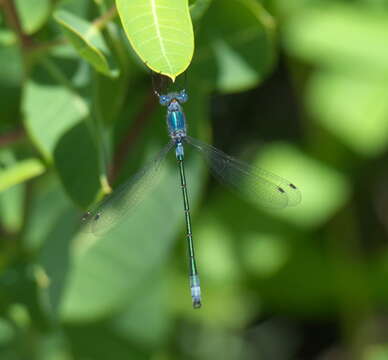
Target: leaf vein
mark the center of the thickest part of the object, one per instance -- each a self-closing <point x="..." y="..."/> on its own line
<point x="158" y="34"/>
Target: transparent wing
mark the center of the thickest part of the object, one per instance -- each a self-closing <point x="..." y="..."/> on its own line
<point x="125" y="198"/>
<point x="269" y="189"/>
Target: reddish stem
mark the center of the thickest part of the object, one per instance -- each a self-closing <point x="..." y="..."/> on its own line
<point x="13" y="21"/>
<point x="11" y="137"/>
<point x="127" y="143"/>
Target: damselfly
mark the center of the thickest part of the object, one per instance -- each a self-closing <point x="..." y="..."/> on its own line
<point x="269" y="189"/>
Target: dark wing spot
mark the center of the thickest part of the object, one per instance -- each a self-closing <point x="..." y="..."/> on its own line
<point x="292" y="186"/>
<point x="97" y="217"/>
<point x="281" y="190"/>
<point x="86" y="216"/>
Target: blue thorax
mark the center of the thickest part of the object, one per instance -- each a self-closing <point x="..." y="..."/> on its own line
<point x="176" y="120"/>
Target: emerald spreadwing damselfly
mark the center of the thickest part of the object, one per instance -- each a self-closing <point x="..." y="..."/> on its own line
<point x="263" y="186"/>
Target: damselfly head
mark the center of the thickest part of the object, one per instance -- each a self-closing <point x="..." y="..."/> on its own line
<point x="180" y="97"/>
<point x="167" y="90"/>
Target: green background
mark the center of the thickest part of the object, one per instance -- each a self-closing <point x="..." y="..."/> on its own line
<point x="296" y="87"/>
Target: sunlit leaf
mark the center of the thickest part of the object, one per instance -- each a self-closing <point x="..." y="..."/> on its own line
<point x="19" y="172"/>
<point x="88" y="41"/>
<point x="312" y="34"/>
<point x="33" y="14"/>
<point x="265" y="254"/>
<point x="161" y="33"/>
<point x="353" y="108"/>
<point x="216" y="255"/>
<point x="12" y="208"/>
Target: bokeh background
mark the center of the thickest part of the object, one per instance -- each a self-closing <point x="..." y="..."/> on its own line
<point x="297" y="87"/>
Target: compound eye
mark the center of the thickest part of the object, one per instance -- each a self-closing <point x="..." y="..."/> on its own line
<point x="164" y="100"/>
<point x="183" y="97"/>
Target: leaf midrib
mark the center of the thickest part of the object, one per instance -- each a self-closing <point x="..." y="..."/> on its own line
<point x="158" y="34"/>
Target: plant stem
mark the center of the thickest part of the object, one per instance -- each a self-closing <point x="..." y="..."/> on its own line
<point x="11" y="137"/>
<point x="13" y="21"/>
<point x="140" y="120"/>
<point x="101" y="21"/>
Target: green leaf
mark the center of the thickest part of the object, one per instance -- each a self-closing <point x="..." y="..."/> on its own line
<point x="80" y="177"/>
<point x="47" y="210"/>
<point x="7" y="332"/>
<point x="235" y="74"/>
<point x="231" y="35"/>
<point x="160" y="32"/>
<point x="309" y="175"/>
<point x="50" y="108"/>
<point x="99" y="283"/>
<point x="265" y="254"/>
<point x="54" y="256"/>
<point x="222" y="267"/>
<point x="312" y="34"/>
<point x="33" y="14"/>
<point x="82" y="8"/>
<point x="88" y="41"/>
<point x="376" y="352"/>
<point x="55" y="116"/>
<point x="19" y="172"/>
<point x="198" y="9"/>
<point x="11" y="75"/>
<point x="12" y="208"/>
<point x="149" y="310"/>
<point x="108" y="98"/>
<point x="353" y="108"/>
<point x="97" y="341"/>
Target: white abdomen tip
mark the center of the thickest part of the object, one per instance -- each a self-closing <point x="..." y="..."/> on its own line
<point x="195" y="291"/>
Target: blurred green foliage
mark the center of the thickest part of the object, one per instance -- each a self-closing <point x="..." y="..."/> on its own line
<point x="297" y="87"/>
